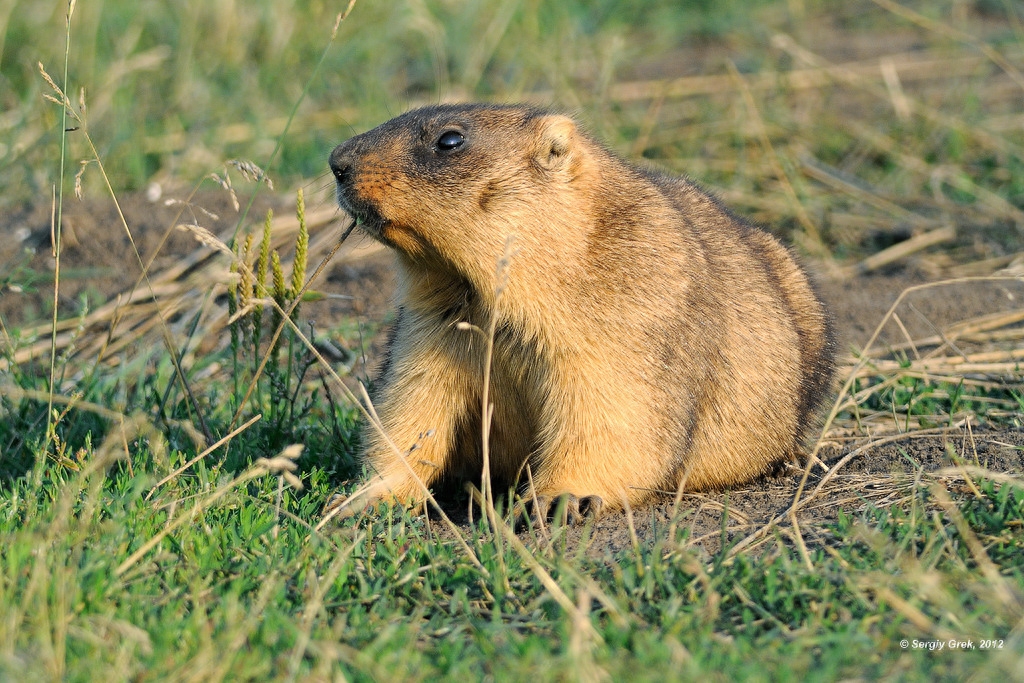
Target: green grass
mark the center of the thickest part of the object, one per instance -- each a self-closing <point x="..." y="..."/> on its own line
<point x="108" y="571"/>
<point x="246" y="589"/>
<point x="926" y="403"/>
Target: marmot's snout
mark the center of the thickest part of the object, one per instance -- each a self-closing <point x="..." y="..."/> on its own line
<point x="344" y="162"/>
<point x="341" y="162"/>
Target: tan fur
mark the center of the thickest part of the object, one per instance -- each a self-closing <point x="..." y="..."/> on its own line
<point x="644" y="333"/>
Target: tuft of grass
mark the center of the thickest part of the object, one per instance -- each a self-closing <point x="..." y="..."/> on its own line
<point x="274" y="383"/>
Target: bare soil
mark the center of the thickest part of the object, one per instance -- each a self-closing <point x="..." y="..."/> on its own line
<point x="98" y="263"/>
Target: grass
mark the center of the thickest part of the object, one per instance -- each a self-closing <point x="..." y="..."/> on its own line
<point x="157" y="530"/>
<point x="244" y="588"/>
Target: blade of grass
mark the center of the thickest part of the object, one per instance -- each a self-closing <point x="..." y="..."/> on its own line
<point x="55" y="238"/>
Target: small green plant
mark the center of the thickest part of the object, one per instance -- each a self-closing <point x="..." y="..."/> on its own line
<point x="269" y="361"/>
<point x="916" y="401"/>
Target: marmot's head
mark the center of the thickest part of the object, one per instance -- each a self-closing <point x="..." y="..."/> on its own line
<point x="453" y="182"/>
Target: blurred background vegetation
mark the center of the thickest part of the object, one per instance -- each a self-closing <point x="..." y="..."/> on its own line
<point x="847" y="125"/>
<point x="174" y="88"/>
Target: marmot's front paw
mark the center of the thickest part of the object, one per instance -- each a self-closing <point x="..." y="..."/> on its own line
<point x="366" y="496"/>
<point x="394" y="490"/>
<point x="342" y="507"/>
<point x="575" y="511"/>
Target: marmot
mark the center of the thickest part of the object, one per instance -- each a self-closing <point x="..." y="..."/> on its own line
<point x="645" y="336"/>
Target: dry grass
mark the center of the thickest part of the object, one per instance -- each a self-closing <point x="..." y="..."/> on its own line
<point x="177" y="292"/>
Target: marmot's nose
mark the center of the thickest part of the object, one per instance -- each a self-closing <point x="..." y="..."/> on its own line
<point x="341" y="163"/>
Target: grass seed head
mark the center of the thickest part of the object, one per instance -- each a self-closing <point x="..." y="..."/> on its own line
<point x="252" y="172"/>
<point x="205" y="237"/>
<point x="301" y="247"/>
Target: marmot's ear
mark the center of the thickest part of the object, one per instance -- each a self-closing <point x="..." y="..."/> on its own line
<point x="556" y="142"/>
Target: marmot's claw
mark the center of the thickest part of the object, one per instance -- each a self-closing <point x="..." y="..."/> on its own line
<point x="540" y="508"/>
<point x="591" y="506"/>
<point x="575" y="511"/>
<point x="579" y="509"/>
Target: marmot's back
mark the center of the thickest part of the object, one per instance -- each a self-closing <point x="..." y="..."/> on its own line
<point x="646" y="337"/>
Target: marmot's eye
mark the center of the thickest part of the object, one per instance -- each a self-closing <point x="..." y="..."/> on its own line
<point x="449" y="140"/>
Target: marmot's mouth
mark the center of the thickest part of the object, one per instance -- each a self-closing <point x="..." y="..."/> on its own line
<point x="365" y="214"/>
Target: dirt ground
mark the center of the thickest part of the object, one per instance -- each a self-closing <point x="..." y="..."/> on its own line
<point x="98" y="263"/>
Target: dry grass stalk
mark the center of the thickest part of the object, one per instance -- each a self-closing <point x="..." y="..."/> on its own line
<point x="237" y="133"/>
<point x="990" y="364"/>
<point x="901" y="250"/>
<point x="817" y="170"/>
<point x="912" y="614"/>
<point x="708" y="502"/>
<point x="581" y="620"/>
<point x="947" y="368"/>
<point x="800" y="501"/>
<point x="366" y="407"/>
<point x="981" y="329"/>
<point x="852" y="373"/>
<point x="205" y="237"/>
<point x="892" y="83"/>
<point x="912" y="67"/>
<point x="852" y="77"/>
<point x="937" y="204"/>
<point x="1002" y="363"/>
<point x="1005" y="592"/>
<point x="258" y="469"/>
<point x="982" y="267"/>
<point x="952" y="174"/>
